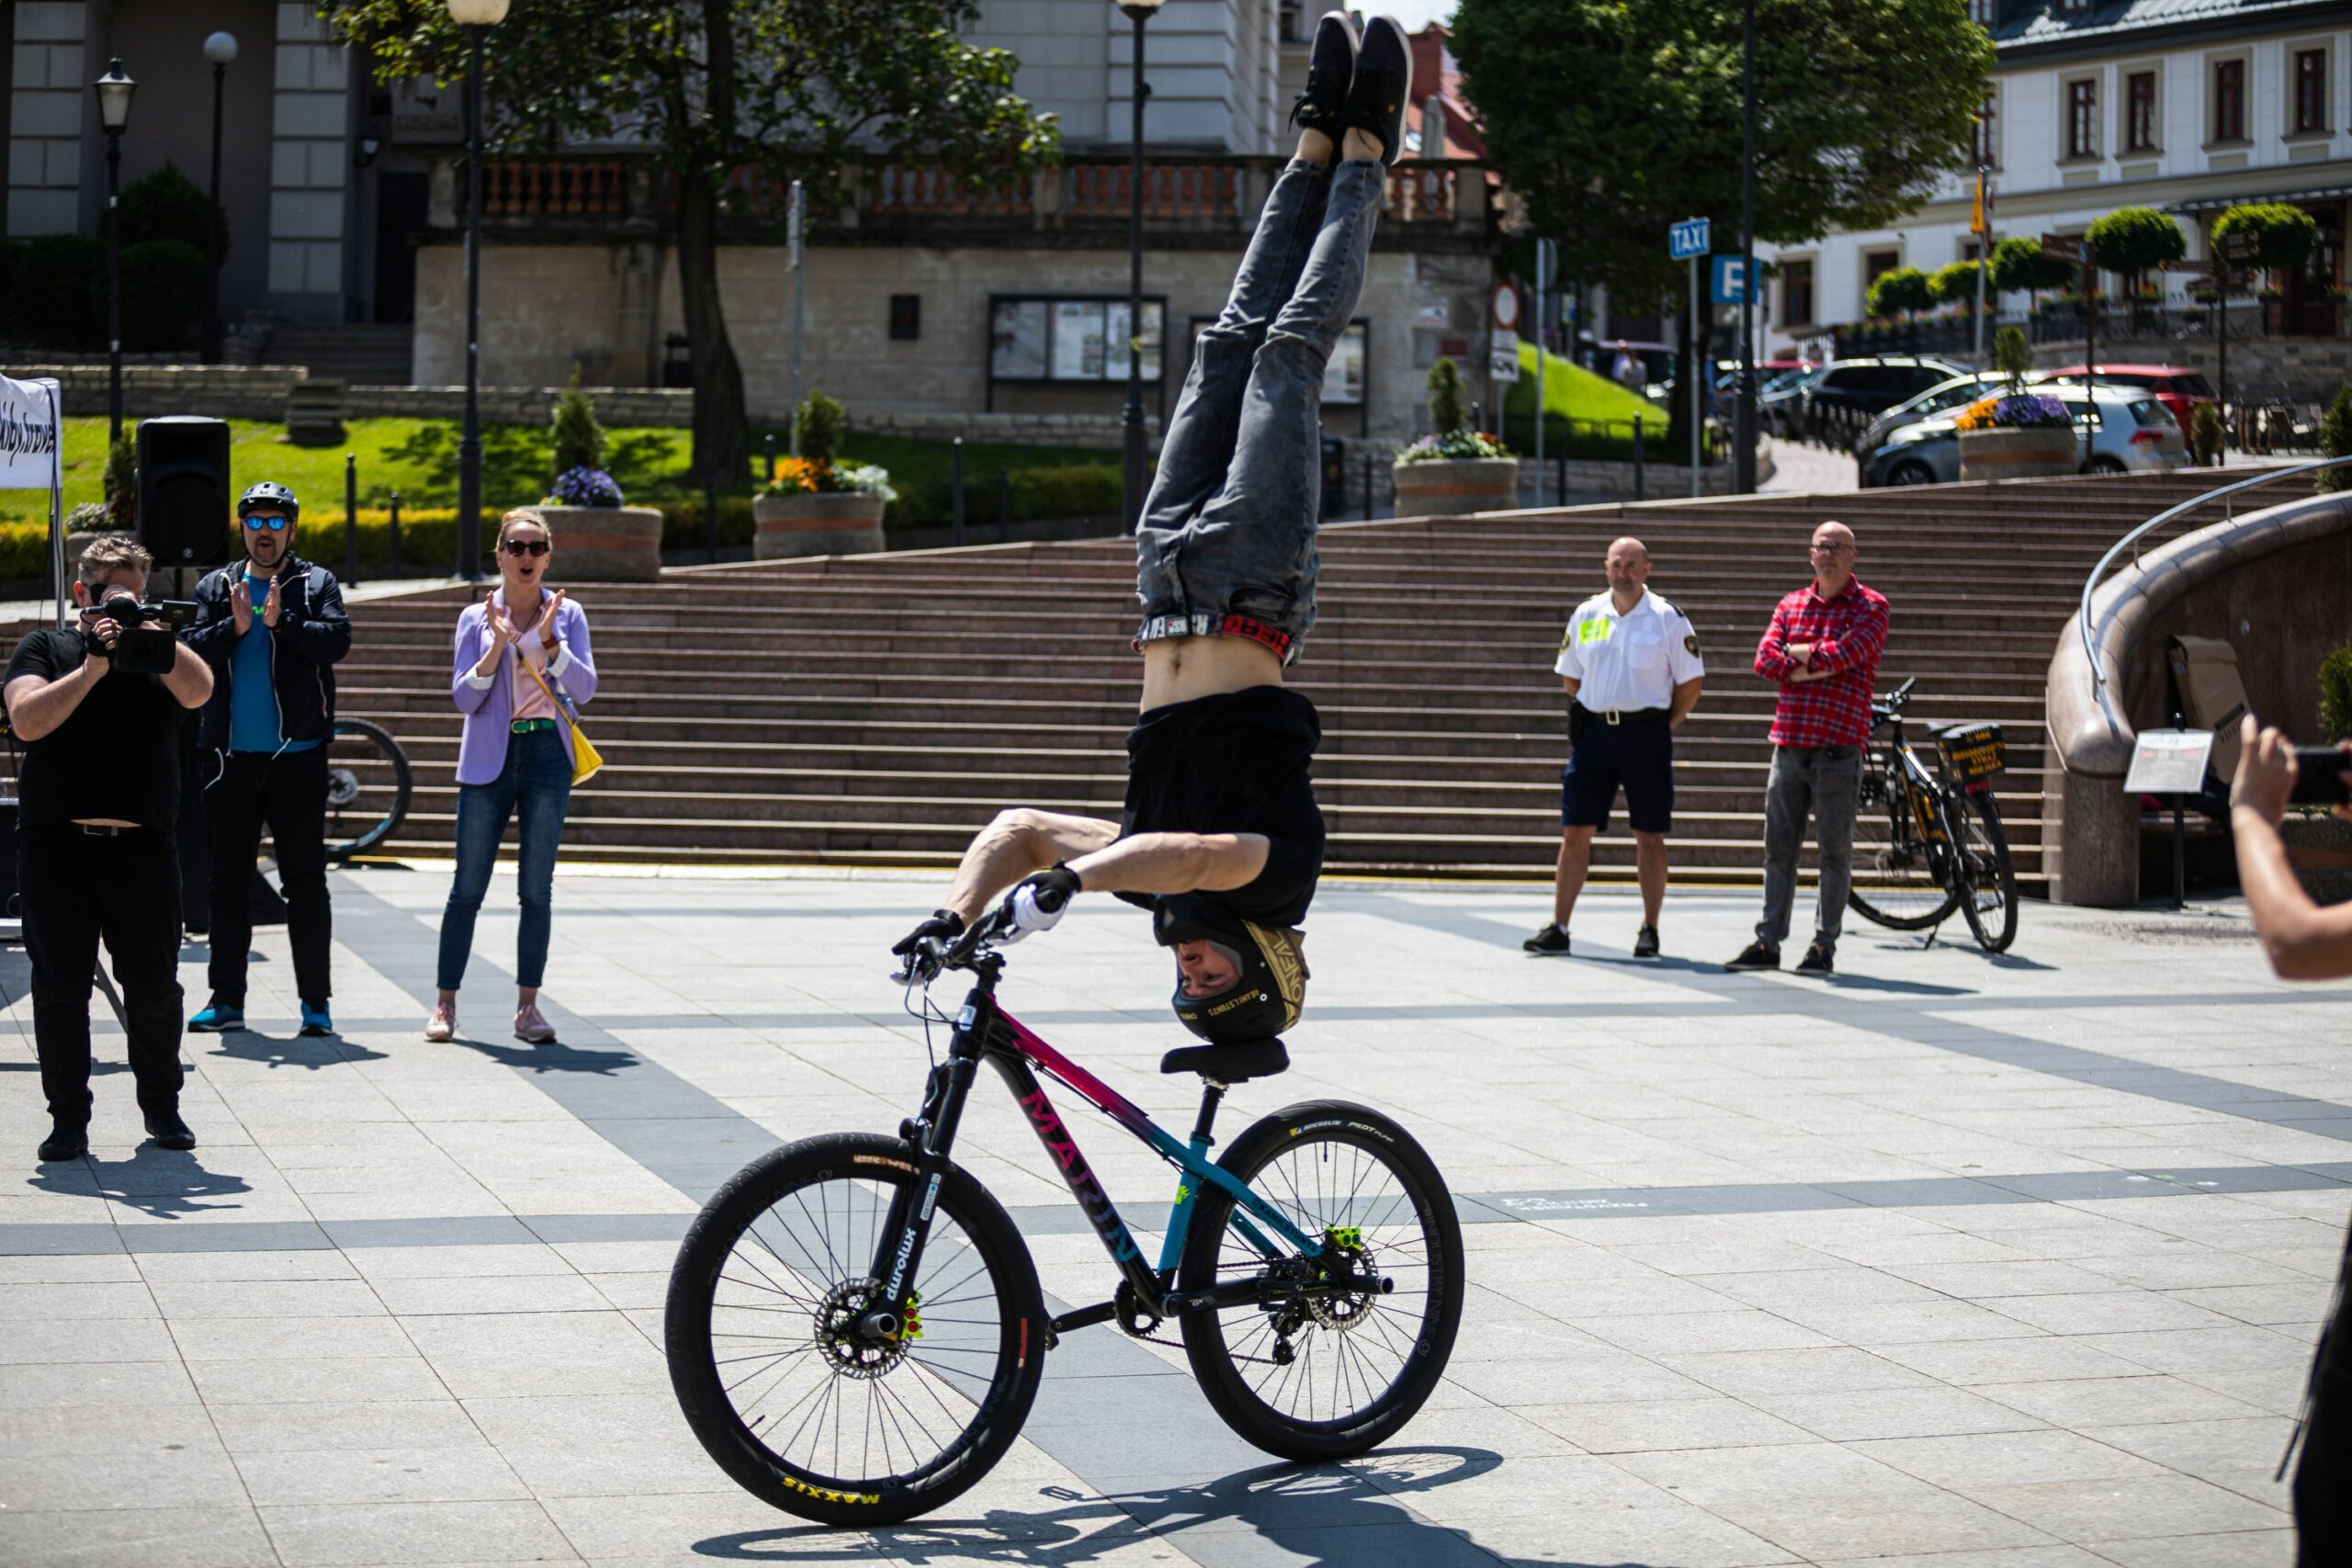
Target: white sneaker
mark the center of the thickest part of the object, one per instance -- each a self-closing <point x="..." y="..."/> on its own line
<point x="442" y="1027"/>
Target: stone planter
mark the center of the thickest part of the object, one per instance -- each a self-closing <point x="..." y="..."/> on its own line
<point x="2038" y="454"/>
<point x="604" y="544"/>
<point x="837" y="523"/>
<point x="1449" y="487"/>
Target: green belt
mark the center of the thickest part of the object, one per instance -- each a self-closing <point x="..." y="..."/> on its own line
<point x="524" y="726"/>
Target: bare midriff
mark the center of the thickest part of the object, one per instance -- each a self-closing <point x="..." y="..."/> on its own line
<point x="1179" y="669"/>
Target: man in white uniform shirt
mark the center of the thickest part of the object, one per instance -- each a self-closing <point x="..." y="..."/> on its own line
<point x="1630" y="662"/>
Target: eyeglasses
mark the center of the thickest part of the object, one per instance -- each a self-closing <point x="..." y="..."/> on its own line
<point x="259" y="521"/>
<point x="525" y="547"/>
<point x="1832" y="549"/>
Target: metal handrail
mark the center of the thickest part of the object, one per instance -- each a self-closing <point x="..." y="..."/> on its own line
<point x="2130" y="541"/>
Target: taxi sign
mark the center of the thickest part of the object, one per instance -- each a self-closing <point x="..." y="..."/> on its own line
<point x="1687" y="239"/>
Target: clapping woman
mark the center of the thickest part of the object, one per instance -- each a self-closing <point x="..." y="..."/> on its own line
<point x="521" y="662"/>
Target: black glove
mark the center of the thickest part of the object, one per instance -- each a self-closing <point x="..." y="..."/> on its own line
<point x="944" y="927"/>
<point x="1036" y="902"/>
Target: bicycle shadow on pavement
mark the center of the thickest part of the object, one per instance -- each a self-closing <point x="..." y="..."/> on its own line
<point x="1329" y="1516"/>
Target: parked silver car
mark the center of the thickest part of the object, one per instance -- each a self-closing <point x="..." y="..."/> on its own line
<point x="1944" y="397"/>
<point x="2131" y="430"/>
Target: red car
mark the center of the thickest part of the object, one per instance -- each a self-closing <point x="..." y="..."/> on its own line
<point x="2180" y="390"/>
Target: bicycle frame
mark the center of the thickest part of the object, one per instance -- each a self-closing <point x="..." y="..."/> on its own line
<point x="1921" y="790"/>
<point x="986" y="1033"/>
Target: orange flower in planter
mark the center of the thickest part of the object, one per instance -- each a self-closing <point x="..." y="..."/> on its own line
<point x="805" y="475"/>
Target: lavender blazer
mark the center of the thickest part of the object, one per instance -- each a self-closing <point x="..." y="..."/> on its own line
<point x="489" y="707"/>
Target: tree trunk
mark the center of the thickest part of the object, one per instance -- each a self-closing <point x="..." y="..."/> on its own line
<point x="722" y="424"/>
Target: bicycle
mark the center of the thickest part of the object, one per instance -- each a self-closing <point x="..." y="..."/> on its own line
<point x="850" y="1293"/>
<point x="1945" y="848"/>
<point x="368" y="783"/>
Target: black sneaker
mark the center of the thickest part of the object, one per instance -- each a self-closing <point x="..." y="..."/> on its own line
<point x="1756" y="956"/>
<point x="1384" y="82"/>
<point x="1330" y="71"/>
<point x="1645" y="942"/>
<point x="1551" y="939"/>
<point x="65" y="1142"/>
<point x="169" y="1132"/>
<point x="1819" y="959"/>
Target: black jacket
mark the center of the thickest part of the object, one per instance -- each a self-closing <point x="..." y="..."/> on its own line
<point x="312" y="633"/>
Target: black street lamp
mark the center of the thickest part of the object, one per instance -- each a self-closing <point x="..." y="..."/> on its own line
<point x="220" y="49"/>
<point x="1131" y="419"/>
<point x="114" y="90"/>
<point x="1743" y="444"/>
<point x="477" y="16"/>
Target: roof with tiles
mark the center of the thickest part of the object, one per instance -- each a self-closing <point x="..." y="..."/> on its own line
<point x="2056" y="21"/>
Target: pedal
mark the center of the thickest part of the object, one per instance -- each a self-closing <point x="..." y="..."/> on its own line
<point x="1080" y="1317"/>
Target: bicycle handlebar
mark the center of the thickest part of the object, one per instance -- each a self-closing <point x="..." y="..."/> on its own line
<point x="1886" y="707"/>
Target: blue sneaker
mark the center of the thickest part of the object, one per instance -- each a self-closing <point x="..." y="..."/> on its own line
<point x="217" y="1018"/>
<point x="316" y="1020"/>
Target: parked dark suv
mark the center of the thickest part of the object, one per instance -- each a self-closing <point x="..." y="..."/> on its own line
<point x="1850" y="392"/>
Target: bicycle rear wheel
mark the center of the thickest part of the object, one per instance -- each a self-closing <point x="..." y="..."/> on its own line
<point x="1991" y="904"/>
<point x="1322" y="1372"/>
<point x="1901" y="881"/>
<point x="368" y="787"/>
<point x="775" y="1373"/>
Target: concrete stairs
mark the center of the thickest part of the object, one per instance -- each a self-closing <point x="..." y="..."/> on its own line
<point x="879" y="710"/>
<point x="364" y="354"/>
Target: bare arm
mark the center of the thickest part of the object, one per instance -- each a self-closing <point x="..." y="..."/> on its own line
<point x="1686" y="697"/>
<point x="190" y="678"/>
<point x="1015" y="844"/>
<point x="36" y="707"/>
<point x="1175" y="862"/>
<point x="2304" y="940"/>
<point x="1571" y="684"/>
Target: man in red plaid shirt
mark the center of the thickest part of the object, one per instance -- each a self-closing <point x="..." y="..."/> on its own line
<point x="1823" y="647"/>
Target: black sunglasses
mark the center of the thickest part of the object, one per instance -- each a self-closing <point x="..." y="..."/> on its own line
<point x="525" y="547"/>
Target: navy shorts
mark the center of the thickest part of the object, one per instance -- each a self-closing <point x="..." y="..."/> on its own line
<point x="1638" y="754"/>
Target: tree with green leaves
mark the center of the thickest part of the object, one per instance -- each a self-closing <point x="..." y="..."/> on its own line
<point x="574" y="437"/>
<point x="2135" y="240"/>
<point x="2288" y="235"/>
<point x="793" y="89"/>
<point x="1954" y="283"/>
<point x="1862" y="109"/>
<point x="2019" y="266"/>
<point x="1900" y="290"/>
<point x="1448" y="412"/>
<point x="2336" y="441"/>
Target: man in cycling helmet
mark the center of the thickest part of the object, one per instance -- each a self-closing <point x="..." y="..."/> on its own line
<point x="272" y="627"/>
<point x="1221" y="836"/>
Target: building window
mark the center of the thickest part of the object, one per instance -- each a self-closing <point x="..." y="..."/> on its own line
<point x="906" y="316"/>
<point x="1988" y="145"/>
<point x="1293" y="21"/>
<point x="2140" y="112"/>
<point x="1038" y="339"/>
<point x="2229" y="100"/>
<point x="1984" y="12"/>
<point x="2310" y="90"/>
<point x="2082" y="119"/>
<point x="1796" y="294"/>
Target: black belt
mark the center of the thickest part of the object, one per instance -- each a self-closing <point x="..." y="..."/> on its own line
<point x="102" y="830"/>
<point x="1626" y="716"/>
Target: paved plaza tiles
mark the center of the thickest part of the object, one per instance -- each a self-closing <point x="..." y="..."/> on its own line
<point x="1962" y="1262"/>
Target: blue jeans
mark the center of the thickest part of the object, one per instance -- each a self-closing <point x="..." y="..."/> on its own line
<point x="1228" y="527"/>
<point x="536" y="786"/>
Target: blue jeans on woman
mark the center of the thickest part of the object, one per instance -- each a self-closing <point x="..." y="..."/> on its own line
<point x="534" y="785"/>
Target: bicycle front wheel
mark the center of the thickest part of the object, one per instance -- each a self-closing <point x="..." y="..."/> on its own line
<point x="1991" y="904"/>
<point x="368" y="787"/>
<point x="1901" y="881"/>
<point x="1322" y="1368"/>
<point x="772" y="1367"/>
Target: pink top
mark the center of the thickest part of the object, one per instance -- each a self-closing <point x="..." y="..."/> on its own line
<point x="530" y="697"/>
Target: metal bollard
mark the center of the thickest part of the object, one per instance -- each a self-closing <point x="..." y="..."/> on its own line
<point x="1477" y="416"/>
<point x="396" y="534"/>
<point x="709" y="519"/>
<point x="350" y="520"/>
<point x="955" y="500"/>
<point x="1004" y="505"/>
<point x="1367" y="487"/>
<point x="1638" y="457"/>
<point x="767" y="445"/>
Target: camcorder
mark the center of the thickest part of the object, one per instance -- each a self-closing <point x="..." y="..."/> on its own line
<point x="140" y="649"/>
<point x="2319" y="776"/>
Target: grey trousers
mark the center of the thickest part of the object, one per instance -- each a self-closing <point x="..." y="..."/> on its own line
<point x="1228" y="527"/>
<point x="1820" y="782"/>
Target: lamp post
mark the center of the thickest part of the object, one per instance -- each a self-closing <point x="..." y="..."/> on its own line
<point x="1131" y="419"/>
<point x="220" y="49"/>
<point x="477" y="17"/>
<point x="114" y="90"/>
<point x="1743" y="439"/>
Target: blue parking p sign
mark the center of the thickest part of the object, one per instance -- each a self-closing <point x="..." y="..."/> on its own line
<point x="1688" y="239"/>
<point x="1730" y="280"/>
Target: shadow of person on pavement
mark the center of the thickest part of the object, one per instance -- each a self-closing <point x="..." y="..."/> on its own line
<point x="555" y="1058"/>
<point x="154" y="1181"/>
<point x="313" y="1052"/>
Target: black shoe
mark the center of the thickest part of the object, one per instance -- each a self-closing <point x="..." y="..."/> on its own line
<point x="1551" y="939"/>
<point x="65" y="1142"/>
<point x="1756" y="956"/>
<point x="1819" y="959"/>
<point x="1645" y="942"/>
<point x="169" y="1132"/>
<point x="1383" y="81"/>
<point x="1330" y="70"/>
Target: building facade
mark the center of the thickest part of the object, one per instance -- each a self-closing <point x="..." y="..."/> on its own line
<point x="2189" y="106"/>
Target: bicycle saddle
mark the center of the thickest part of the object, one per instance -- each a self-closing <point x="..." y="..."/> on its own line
<point x="1229" y="1064"/>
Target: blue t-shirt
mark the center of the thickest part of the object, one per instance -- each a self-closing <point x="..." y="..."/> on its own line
<point x="253" y="694"/>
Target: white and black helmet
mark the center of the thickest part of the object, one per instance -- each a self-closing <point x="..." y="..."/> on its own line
<point x="269" y="495"/>
<point x="1270" y="971"/>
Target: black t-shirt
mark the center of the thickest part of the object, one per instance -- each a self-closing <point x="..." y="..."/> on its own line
<point x="1235" y="763"/>
<point x="117" y="756"/>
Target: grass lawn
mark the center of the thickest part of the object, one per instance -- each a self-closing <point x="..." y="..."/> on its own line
<point x="1573" y="392"/>
<point x="418" y="458"/>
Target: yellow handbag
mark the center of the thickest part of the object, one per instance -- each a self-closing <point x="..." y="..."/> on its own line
<point x="585" y="758"/>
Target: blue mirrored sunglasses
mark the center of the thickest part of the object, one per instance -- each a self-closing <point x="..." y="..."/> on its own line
<point x="261" y="520"/>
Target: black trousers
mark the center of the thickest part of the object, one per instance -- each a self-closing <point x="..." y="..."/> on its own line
<point x="76" y="889"/>
<point x="288" y="791"/>
<point x="2323" y="1475"/>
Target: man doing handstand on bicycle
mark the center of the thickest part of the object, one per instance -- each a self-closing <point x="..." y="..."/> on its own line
<point x="1221" y="836"/>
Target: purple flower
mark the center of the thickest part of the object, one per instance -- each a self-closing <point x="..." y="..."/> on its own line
<point x="2029" y="410"/>
<point x="587" y="486"/>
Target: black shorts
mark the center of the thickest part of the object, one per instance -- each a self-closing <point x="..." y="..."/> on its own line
<point x="1637" y="754"/>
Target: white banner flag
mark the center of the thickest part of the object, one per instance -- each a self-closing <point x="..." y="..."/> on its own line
<point x="28" y="434"/>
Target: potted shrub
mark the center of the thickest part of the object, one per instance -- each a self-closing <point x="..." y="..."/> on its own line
<point x="817" y="505"/>
<point x="2017" y="436"/>
<point x="598" y="538"/>
<point x="1454" y="469"/>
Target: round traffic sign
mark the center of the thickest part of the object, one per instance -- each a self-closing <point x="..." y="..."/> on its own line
<point x="1506" y="305"/>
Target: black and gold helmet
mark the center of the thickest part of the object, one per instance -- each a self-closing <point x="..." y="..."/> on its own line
<point x="1267" y="962"/>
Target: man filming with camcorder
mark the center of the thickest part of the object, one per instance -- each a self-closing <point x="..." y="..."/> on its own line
<point x="97" y="706"/>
